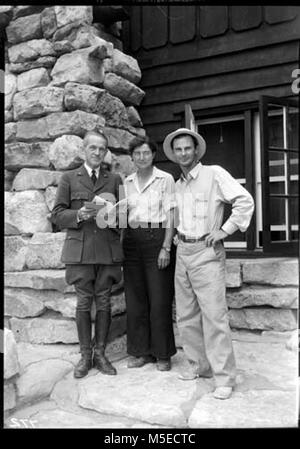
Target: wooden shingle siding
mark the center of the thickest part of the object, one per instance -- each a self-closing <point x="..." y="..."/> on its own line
<point x="210" y="57"/>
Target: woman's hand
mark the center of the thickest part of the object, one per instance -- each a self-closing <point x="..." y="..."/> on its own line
<point x="163" y="259"/>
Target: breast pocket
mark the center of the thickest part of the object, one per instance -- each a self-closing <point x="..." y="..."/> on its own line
<point x="200" y="206"/>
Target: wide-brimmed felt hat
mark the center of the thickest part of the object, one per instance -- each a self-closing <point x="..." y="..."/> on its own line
<point x="167" y="143"/>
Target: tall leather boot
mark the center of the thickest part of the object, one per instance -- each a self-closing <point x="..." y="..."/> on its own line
<point x="84" y="329"/>
<point x="102" y="324"/>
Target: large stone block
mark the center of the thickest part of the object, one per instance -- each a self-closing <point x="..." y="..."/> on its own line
<point x="263" y="319"/>
<point x="122" y="165"/>
<point x="34" y="179"/>
<point x="15" y="253"/>
<point x="10" y="131"/>
<point x="50" y="194"/>
<point x="69" y="14"/>
<point x="134" y="117"/>
<point x="38" y="379"/>
<point x="43" y="61"/>
<point x="18" y="304"/>
<point x="118" y="139"/>
<point x="65" y="304"/>
<point x="75" y="122"/>
<point x="37" y="102"/>
<point x="26" y="10"/>
<point x="44" y="250"/>
<point x="67" y="152"/>
<point x="24" y="29"/>
<point x="260" y="296"/>
<point x="112" y="109"/>
<point x="11" y="362"/>
<point x="44" y="330"/>
<point x="233" y="273"/>
<point x="81" y="96"/>
<point x="19" y="155"/>
<point x="30" y="50"/>
<point x="9" y="396"/>
<point x="128" y="92"/>
<point x="39" y="280"/>
<point x="48" y="22"/>
<point x="25" y="213"/>
<point x="8" y="116"/>
<point x="33" y="130"/>
<point x="273" y="271"/>
<point x="10" y="87"/>
<point x="126" y="66"/>
<point x="82" y="66"/>
<point x="33" y="78"/>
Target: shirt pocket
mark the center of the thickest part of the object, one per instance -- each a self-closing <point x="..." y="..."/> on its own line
<point x="200" y="206"/>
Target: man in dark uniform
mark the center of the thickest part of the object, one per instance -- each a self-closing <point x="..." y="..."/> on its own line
<point x="92" y="255"/>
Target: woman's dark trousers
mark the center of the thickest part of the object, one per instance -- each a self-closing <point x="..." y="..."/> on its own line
<point x="149" y="294"/>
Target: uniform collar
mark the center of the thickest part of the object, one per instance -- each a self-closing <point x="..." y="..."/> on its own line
<point x="89" y="170"/>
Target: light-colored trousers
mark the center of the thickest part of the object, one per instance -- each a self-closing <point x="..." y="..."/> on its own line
<point x="201" y="309"/>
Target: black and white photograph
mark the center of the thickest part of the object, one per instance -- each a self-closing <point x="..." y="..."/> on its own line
<point x="151" y="218"/>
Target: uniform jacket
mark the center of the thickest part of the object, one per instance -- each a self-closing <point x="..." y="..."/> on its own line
<point x="85" y="242"/>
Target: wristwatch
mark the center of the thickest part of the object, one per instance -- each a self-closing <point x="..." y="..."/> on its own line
<point x="167" y="248"/>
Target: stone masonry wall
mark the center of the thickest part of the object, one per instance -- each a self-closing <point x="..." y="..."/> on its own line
<point x="64" y="75"/>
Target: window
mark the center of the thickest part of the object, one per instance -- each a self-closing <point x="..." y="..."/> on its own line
<point x="260" y="148"/>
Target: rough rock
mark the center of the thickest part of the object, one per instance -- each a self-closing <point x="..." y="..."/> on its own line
<point x="233" y="273"/>
<point x="69" y="14"/>
<point x="81" y="96"/>
<point x="33" y="78"/>
<point x="122" y="165"/>
<point x="259" y="296"/>
<point x="19" y="155"/>
<point x="10" y="131"/>
<point x="64" y="304"/>
<point x="213" y="413"/>
<point x="24" y="29"/>
<point x="8" y="116"/>
<point x="15" y="253"/>
<point x="75" y="122"/>
<point x="50" y="194"/>
<point x="26" y="10"/>
<point x="126" y="66"/>
<point x="48" y="22"/>
<point x="293" y="342"/>
<point x="112" y="109"/>
<point x="25" y="212"/>
<point x="10" y="86"/>
<point x="123" y="89"/>
<point x="43" y="61"/>
<point x="67" y="152"/>
<point x="134" y="117"/>
<point x="39" y="379"/>
<point x="37" y="102"/>
<point x="35" y="179"/>
<point x="9" y="177"/>
<point x="9" y="396"/>
<point x="17" y="304"/>
<point x="82" y="66"/>
<point x="32" y="130"/>
<point x="279" y="271"/>
<point x="118" y="139"/>
<point x="163" y="406"/>
<point x="30" y="50"/>
<point x="75" y="36"/>
<point x="11" y="362"/>
<point x="263" y="318"/>
<point x="44" y="250"/>
<point x="44" y="329"/>
<point x="39" y="280"/>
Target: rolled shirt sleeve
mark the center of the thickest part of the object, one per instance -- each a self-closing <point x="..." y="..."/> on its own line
<point x="231" y="191"/>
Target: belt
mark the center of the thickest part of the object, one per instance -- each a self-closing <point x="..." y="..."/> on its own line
<point x="186" y="239"/>
<point x="145" y="225"/>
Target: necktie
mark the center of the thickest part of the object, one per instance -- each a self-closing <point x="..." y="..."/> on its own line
<point x="94" y="177"/>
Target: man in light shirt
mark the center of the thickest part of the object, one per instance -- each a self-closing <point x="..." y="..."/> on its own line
<point x="202" y="314"/>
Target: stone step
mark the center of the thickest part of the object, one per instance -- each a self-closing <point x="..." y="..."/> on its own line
<point x="263" y="318"/>
<point x="258" y="296"/>
<point x="272" y="271"/>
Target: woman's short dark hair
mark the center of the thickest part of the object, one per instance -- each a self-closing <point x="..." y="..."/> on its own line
<point x="139" y="141"/>
<point x="183" y="135"/>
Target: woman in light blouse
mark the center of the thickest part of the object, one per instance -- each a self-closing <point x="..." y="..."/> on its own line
<point x="149" y="261"/>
